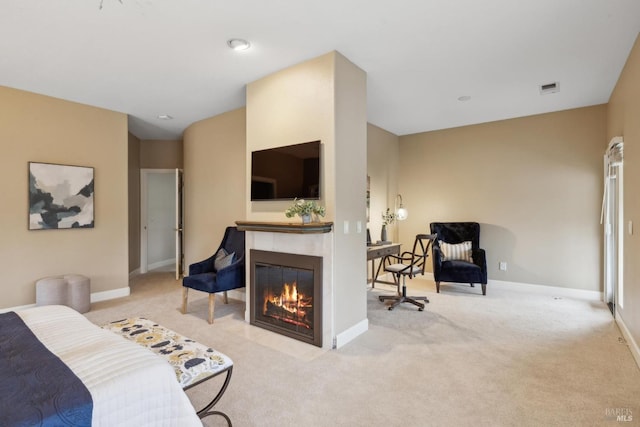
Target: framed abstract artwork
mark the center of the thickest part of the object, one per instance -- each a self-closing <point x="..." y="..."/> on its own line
<point x="60" y="196"/>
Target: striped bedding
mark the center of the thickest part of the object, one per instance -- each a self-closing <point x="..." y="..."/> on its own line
<point x="129" y="385"/>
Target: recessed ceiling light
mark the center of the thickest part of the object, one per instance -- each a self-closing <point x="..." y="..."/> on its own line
<point x="238" y="44"/>
<point x="464" y="98"/>
<point x="164" y="117"/>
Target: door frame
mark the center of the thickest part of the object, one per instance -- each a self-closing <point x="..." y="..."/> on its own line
<point x="614" y="229"/>
<point x="144" y="211"/>
<point x="179" y="225"/>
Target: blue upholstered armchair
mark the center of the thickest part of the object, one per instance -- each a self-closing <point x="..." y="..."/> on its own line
<point x="223" y="271"/>
<point x="460" y="258"/>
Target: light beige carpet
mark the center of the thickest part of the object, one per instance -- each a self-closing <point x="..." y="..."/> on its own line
<point x="510" y="358"/>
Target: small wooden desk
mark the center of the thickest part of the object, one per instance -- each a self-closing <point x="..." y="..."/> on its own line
<point x="375" y="252"/>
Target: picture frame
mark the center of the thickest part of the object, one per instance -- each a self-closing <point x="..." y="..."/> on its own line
<point x="60" y="196"/>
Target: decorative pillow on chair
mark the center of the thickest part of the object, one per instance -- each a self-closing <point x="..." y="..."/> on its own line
<point x="223" y="259"/>
<point x="451" y="252"/>
<point x="222" y="252"/>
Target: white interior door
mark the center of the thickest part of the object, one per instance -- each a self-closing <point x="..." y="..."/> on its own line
<point x="610" y="243"/>
<point x="158" y="219"/>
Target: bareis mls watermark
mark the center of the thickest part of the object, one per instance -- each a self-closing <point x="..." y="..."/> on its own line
<point x="619" y="414"/>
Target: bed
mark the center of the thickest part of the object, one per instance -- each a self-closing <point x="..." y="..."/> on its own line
<point x="110" y="381"/>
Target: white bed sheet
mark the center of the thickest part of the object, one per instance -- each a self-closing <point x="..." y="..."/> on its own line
<point x="129" y="385"/>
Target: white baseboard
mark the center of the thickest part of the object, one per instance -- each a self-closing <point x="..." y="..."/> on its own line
<point x="542" y="289"/>
<point x="548" y="290"/>
<point x="633" y="345"/>
<point x="351" y="333"/>
<point x="95" y="297"/>
<point x="111" y="294"/>
<point x="17" y="308"/>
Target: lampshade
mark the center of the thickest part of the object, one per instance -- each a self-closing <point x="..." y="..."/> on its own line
<point x="401" y="212"/>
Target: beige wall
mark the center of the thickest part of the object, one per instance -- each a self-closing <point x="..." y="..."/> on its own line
<point x="43" y="129"/>
<point x="350" y="193"/>
<point x="289" y="107"/>
<point x="383" y="153"/>
<point x="533" y="183"/>
<point x="161" y="154"/>
<point x="624" y="120"/>
<point x="321" y="99"/>
<point x="214" y="181"/>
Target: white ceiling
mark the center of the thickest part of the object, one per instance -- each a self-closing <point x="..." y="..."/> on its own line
<point x="152" y="57"/>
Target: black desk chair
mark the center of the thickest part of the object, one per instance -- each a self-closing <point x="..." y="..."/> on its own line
<point x="408" y="264"/>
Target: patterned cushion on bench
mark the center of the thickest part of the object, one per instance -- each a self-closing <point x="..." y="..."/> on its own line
<point x="192" y="361"/>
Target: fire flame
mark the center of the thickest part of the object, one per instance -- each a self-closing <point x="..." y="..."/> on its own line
<point x="291" y="301"/>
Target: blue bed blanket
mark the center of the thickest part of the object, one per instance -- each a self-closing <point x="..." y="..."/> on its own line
<point x="36" y="387"/>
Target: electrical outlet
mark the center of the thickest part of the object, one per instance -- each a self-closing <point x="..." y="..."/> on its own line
<point x="359" y="227"/>
<point x="346" y="227"/>
<point x="502" y="266"/>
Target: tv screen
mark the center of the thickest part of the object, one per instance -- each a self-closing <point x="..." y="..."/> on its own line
<point x="287" y="172"/>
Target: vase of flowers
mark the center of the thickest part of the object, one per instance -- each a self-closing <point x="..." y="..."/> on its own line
<point x="304" y="209"/>
<point x="387" y="218"/>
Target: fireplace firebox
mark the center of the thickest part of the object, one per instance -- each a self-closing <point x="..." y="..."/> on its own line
<point x="286" y="294"/>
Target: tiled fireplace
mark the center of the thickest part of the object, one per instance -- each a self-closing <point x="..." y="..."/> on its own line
<point x="286" y="294"/>
<point x="281" y="255"/>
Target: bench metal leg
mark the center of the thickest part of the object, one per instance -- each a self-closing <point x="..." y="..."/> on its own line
<point x="205" y="412"/>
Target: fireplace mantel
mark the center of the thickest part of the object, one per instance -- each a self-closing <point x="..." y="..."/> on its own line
<point x="285" y="227"/>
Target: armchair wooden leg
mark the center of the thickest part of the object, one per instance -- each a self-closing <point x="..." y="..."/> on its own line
<point x="185" y="291"/>
<point x="438" y="287"/>
<point x="484" y="289"/>
<point x="212" y="303"/>
<point x="226" y="299"/>
<point x="472" y="285"/>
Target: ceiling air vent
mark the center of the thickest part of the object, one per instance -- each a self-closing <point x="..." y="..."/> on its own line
<point x="549" y="88"/>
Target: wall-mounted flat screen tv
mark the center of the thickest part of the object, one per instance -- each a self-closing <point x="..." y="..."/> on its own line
<point x="287" y="172"/>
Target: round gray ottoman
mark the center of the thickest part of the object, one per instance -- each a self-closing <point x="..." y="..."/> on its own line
<point x="72" y="290"/>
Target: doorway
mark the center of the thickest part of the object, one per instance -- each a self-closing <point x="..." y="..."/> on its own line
<point x="161" y="207"/>
<point x="613" y="225"/>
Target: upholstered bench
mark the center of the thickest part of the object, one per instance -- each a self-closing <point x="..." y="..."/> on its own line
<point x="193" y="362"/>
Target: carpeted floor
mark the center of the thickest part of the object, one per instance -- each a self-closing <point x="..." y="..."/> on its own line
<point x="510" y="358"/>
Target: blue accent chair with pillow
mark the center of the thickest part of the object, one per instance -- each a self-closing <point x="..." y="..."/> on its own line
<point x="457" y="256"/>
<point x="221" y="272"/>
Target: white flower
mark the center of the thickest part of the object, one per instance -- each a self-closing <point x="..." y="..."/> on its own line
<point x="388" y="217"/>
<point x="302" y="207"/>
